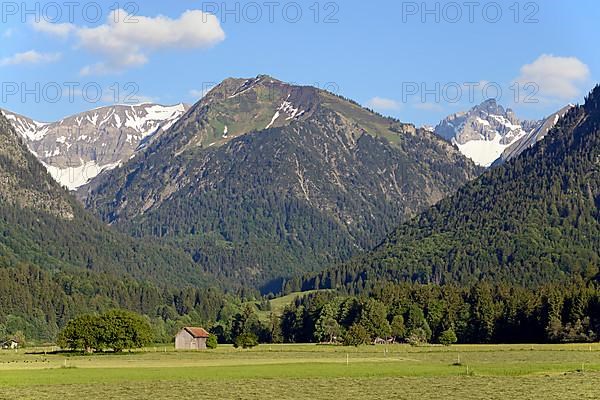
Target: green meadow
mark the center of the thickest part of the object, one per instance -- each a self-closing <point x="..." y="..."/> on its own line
<point x="308" y="372"/>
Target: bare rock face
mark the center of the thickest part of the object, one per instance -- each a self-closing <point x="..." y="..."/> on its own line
<point x="485" y="131"/>
<point x="23" y="181"/>
<point x="77" y="148"/>
<point x="537" y="132"/>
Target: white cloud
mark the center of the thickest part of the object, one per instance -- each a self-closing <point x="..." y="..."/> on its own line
<point x="380" y="103"/>
<point x="102" y="68"/>
<point x="59" y="30"/>
<point x="126" y="41"/>
<point x="558" y="78"/>
<point x="30" y="57"/>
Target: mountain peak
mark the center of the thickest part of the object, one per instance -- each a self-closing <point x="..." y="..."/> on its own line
<point x="233" y="87"/>
<point x="321" y="165"/>
<point x="483" y="132"/>
<point x="491" y="102"/>
<point x="491" y="106"/>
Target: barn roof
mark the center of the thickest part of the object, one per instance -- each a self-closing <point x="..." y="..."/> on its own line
<point x="197" y="332"/>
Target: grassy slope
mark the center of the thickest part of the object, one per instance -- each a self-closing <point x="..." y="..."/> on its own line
<point x="301" y="371"/>
<point x="279" y="303"/>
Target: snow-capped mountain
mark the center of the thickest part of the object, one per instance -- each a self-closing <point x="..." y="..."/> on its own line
<point x="484" y="132"/>
<point x="534" y="136"/>
<point x="77" y="148"/>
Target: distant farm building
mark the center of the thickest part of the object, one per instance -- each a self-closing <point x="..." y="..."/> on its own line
<point x="10" y="344"/>
<point x="191" y="339"/>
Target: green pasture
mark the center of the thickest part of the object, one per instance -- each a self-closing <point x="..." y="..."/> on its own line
<point x="308" y="371"/>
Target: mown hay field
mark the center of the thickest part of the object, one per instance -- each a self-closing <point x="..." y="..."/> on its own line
<point x="308" y="372"/>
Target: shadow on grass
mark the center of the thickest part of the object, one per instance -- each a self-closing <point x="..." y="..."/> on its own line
<point x="79" y="353"/>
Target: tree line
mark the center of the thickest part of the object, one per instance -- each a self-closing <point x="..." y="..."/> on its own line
<point x="389" y="312"/>
<point x="417" y="314"/>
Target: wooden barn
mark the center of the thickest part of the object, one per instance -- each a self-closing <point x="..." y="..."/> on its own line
<point x="10" y="344"/>
<point x="190" y="338"/>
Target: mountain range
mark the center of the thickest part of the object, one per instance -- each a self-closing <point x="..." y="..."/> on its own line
<point x="532" y="220"/>
<point x="78" y="148"/>
<point x="262" y="180"/>
<point x="268" y="186"/>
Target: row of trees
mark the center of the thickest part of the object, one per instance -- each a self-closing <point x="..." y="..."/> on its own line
<point x="416" y="314"/>
<point x="413" y="313"/>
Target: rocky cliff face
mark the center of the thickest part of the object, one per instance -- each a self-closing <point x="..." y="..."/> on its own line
<point x="23" y="181"/>
<point x="77" y="148"/>
<point x="539" y="132"/>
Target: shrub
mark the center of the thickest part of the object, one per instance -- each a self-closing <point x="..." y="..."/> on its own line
<point x="246" y="341"/>
<point x="357" y="335"/>
<point x="115" y="329"/>
<point x="212" y="342"/>
<point x="417" y="337"/>
<point x="448" y="337"/>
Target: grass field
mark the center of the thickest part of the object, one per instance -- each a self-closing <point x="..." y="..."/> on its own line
<point x="310" y="371"/>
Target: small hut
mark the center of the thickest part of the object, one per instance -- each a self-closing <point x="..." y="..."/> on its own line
<point x="190" y="338"/>
<point x="10" y="344"/>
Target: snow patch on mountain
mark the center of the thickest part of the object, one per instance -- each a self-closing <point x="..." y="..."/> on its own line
<point x="26" y="127"/>
<point x="288" y="109"/>
<point x="77" y="148"/>
<point x="482" y="151"/>
<point x="484" y="132"/>
<point x="75" y="177"/>
<point x="273" y="119"/>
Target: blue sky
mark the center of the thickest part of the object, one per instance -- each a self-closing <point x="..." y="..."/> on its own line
<point x="383" y="54"/>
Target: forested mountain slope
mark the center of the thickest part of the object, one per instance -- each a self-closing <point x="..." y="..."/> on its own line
<point x="533" y="220"/>
<point x="58" y="261"/>
<point x="262" y="179"/>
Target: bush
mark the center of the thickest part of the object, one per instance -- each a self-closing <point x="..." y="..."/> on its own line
<point x="448" y="337"/>
<point x="212" y="342"/>
<point x="357" y="335"/>
<point x="417" y="337"/>
<point x="246" y="341"/>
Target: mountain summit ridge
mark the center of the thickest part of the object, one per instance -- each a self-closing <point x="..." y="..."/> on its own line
<point x="262" y="179"/>
<point x="77" y="148"/>
<point x="485" y="131"/>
